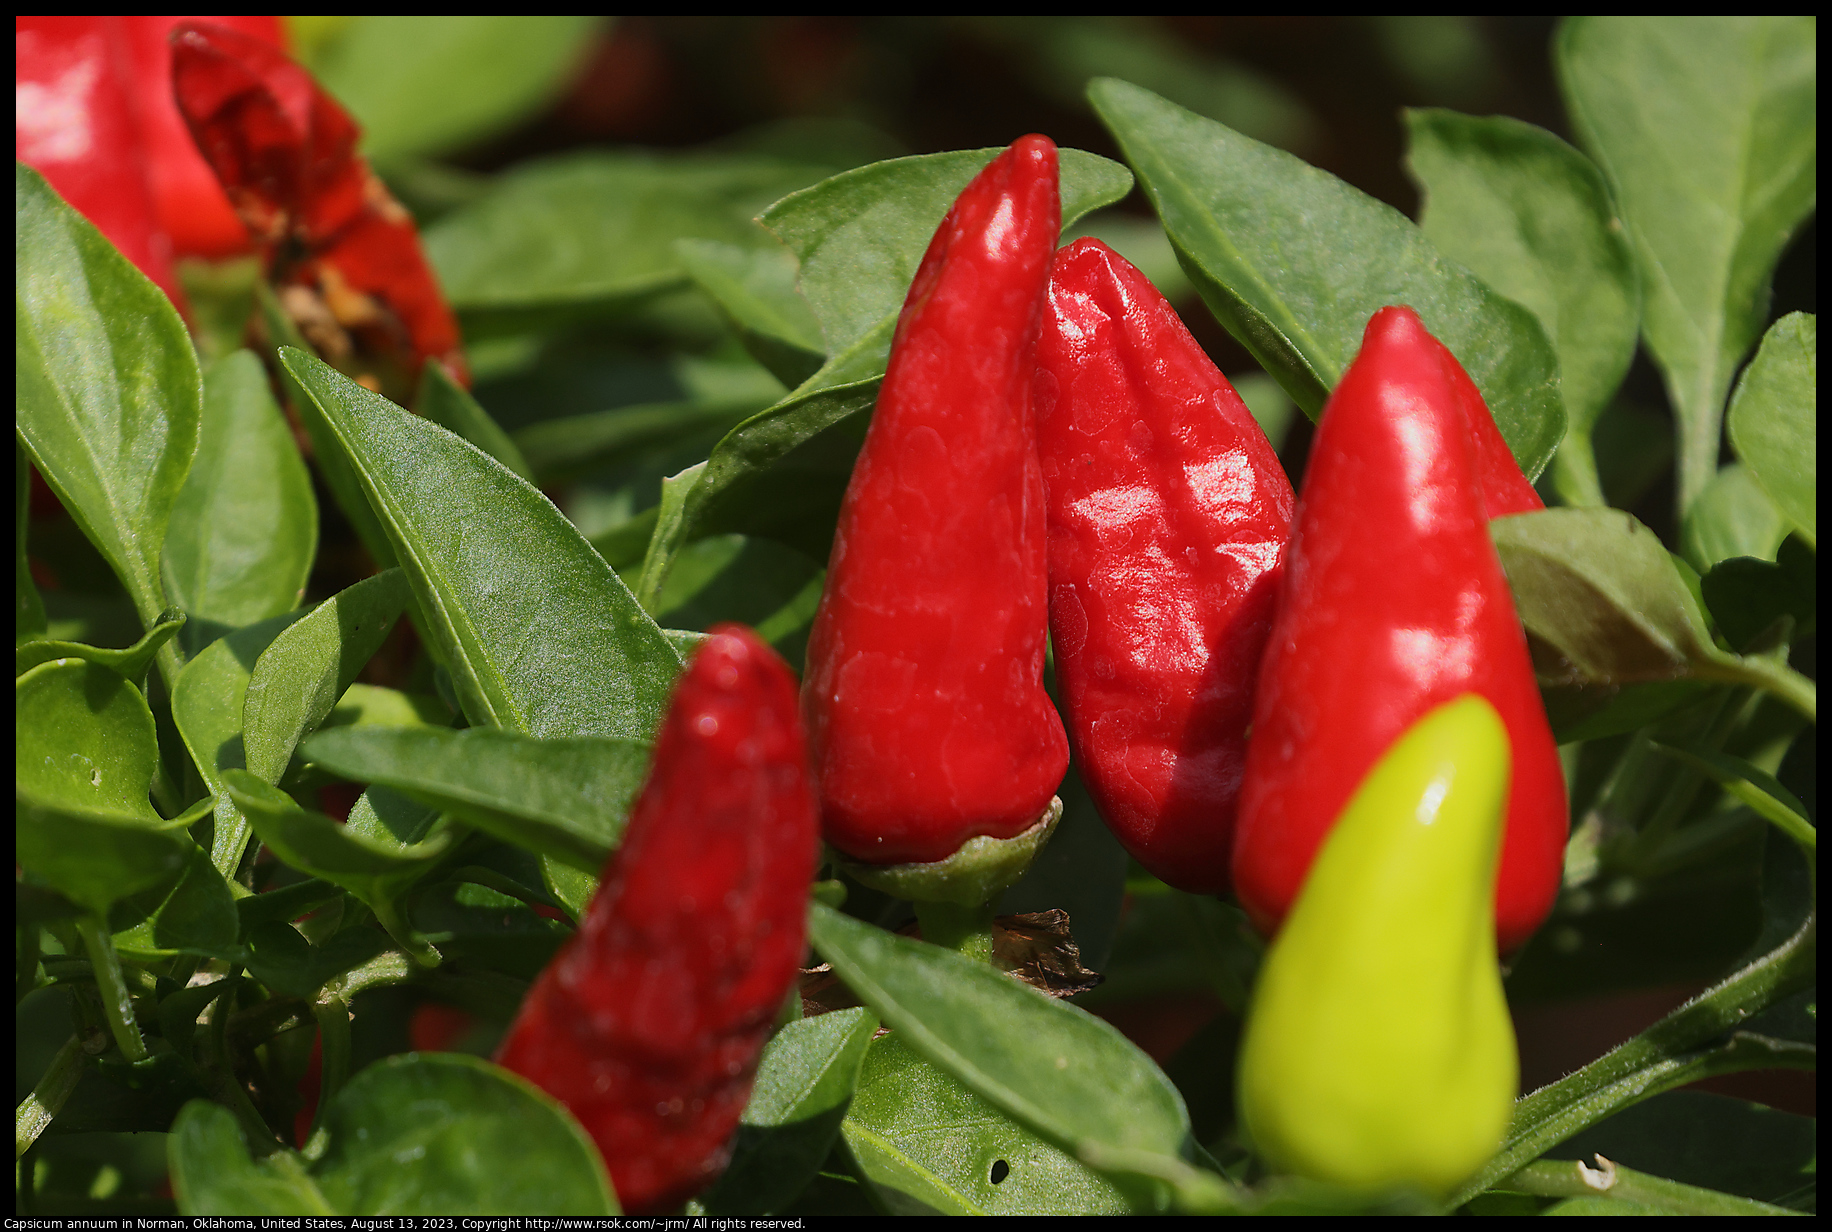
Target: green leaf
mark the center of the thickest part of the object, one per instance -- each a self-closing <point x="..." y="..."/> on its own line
<point x="1774" y="419"/>
<point x="429" y="1134"/>
<point x="486" y="929"/>
<point x="1706" y="129"/>
<point x="329" y="459"/>
<point x="566" y="448"/>
<point x="207" y="707"/>
<point x="1294" y="262"/>
<point x="299" y="677"/>
<point x="371" y="705"/>
<point x="196" y="917"/>
<point x="84" y="738"/>
<point x="1604" y="603"/>
<point x="244" y="530"/>
<point x="131" y="663"/>
<point x="450" y="405"/>
<point x="281" y="959"/>
<point x="107" y="387"/>
<point x="1059" y="1070"/>
<point x="928" y="1144"/>
<point x="753" y="581"/>
<point x="1747" y="597"/>
<point x="539" y="634"/>
<point x="1593" y="712"/>
<point x="94" y="857"/>
<point x="1752" y="785"/>
<point x="315" y="844"/>
<point x="568" y="799"/>
<point x="755" y="288"/>
<point x="1532" y="217"/>
<point x="592" y="230"/>
<point x="366" y="856"/>
<point x="1731" y="517"/>
<point x="421" y="84"/>
<point x="1712" y="1141"/>
<point x="782" y="472"/>
<point x="28" y="607"/>
<point x="860" y="235"/>
<point x="1597" y="589"/>
<point x="213" y="1174"/>
<point x="805" y="1082"/>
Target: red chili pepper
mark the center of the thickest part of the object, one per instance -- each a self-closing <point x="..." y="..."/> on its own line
<point x="74" y="120"/>
<point x="1168" y="518"/>
<point x="1394" y="601"/>
<point x="285" y="152"/>
<point x="649" y="1022"/>
<point x="190" y="204"/>
<point x="926" y="710"/>
<point x="1504" y="488"/>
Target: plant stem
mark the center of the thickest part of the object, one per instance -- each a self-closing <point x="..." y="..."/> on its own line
<point x="965" y="930"/>
<point x="47" y="1098"/>
<point x="334" y="1051"/>
<point x="117" y="1006"/>
<point x="1683" y="1047"/>
<point x="1777" y="678"/>
<point x="1568" y="1178"/>
<point x="420" y="950"/>
<point x="1574" y="472"/>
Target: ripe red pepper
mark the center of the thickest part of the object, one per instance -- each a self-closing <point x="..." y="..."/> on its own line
<point x="1393" y="602"/>
<point x="285" y="152"/>
<point x="74" y="120"/>
<point x="190" y="204"/>
<point x="1168" y="516"/>
<point x="1504" y="488"/>
<point x="926" y="711"/>
<point x="649" y="1022"/>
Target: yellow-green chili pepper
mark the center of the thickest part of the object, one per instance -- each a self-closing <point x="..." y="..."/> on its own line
<point x="1378" y="1047"/>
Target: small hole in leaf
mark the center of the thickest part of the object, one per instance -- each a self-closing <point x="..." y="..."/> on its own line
<point x="1000" y="1170"/>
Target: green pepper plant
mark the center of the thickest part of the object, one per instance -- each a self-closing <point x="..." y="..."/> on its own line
<point x="330" y="710"/>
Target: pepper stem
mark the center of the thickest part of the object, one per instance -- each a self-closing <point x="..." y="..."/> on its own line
<point x="965" y="930"/>
<point x="117" y="1006"/>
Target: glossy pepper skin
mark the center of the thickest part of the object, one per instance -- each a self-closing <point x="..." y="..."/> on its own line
<point x="924" y="698"/>
<point x="1377" y="1049"/>
<point x="342" y="252"/>
<point x="74" y="120"/>
<point x="1168" y="515"/>
<point x="649" y="1022"/>
<point x="1393" y="602"/>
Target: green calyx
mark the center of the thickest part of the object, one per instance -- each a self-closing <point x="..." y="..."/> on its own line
<point x="1378" y="1049"/>
<point x="975" y="874"/>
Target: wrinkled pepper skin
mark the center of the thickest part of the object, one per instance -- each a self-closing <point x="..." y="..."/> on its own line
<point x="1168" y="515"/>
<point x="1377" y="1050"/>
<point x="74" y="120"/>
<point x="190" y="204"/>
<point x="924" y="698"/>
<point x="1393" y="602"/>
<point x="649" y="1022"/>
<point x="285" y="152"/>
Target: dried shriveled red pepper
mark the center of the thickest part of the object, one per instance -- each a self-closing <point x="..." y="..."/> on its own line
<point x="1393" y="602"/>
<point x="190" y="204"/>
<point x="926" y="710"/>
<point x="1168" y="518"/>
<point x="340" y="249"/>
<point x="649" y="1022"/>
